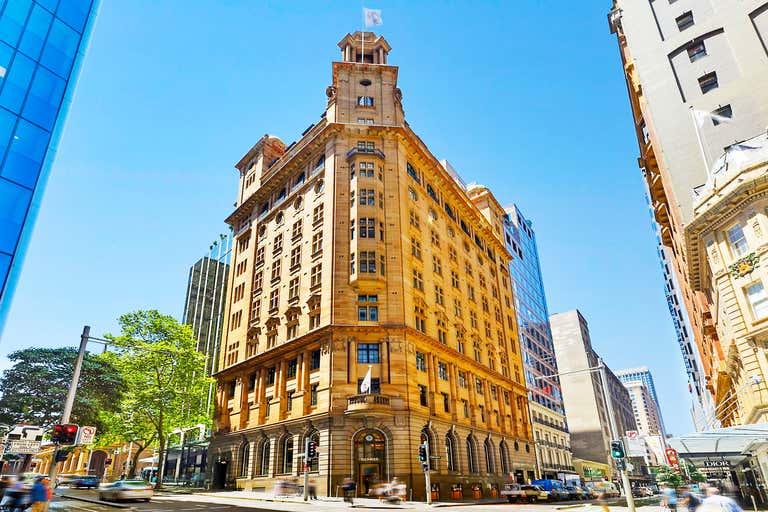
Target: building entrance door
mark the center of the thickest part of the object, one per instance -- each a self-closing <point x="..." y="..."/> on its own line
<point x="370" y="460"/>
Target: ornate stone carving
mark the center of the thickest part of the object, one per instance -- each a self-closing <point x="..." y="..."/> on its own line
<point x="745" y="265"/>
<point x="757" y="229"/>
<point x="398" y="94"/>
<point x="330" y="91"/>
<point x="713" y="254"/>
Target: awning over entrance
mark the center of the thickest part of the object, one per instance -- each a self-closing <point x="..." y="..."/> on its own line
<point x="732" y="443"/>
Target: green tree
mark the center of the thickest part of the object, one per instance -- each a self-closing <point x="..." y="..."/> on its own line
<point x="125" y="426"/>
<point x="665" y="474"/>
<point x="164" y="374"/>
<point x="35" y="387"/>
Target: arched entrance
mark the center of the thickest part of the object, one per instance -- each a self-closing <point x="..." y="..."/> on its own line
<point x="96" y="465"/>
<point x="369" y="459"/>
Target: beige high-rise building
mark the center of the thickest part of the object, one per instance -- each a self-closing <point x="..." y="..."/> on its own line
<point x="369" y="309"/>
<point x="588" y="419"/>
<point x="696" y="72"/>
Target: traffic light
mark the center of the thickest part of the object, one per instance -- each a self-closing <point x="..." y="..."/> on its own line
<point x="422" y="453"/>
<point x="312" y="450"/>
<point x="617" y="449"/>
<point x="64" y="434"/>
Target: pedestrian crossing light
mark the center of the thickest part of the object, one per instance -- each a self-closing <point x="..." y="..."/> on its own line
<point x="422" y="453"/>
<point x="617" y="449"/>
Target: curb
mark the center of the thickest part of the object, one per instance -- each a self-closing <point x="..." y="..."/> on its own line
<point x="97" y="502"/>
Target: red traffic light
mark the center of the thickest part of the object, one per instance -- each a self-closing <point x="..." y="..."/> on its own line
<point x="64" y="434"/>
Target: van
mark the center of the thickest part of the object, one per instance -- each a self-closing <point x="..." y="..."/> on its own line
<point x="556" y="488"/>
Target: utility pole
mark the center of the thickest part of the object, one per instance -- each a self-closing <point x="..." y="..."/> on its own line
<point x="614" y="433"/>
<point x="69" y="403"/>
<point x="306" y="468"/>
<point x="426" y="468"/>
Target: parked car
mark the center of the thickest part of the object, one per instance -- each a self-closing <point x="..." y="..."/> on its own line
<point x="642" y="492"/>
<point x="513" y="492"/>
<point x="574" y="492"/>
<point x="85" y="481"/>
<point x="608" y="488"/>
<point x="535" y="493"/>
<point x="555" y="488"/>
<point x="126" y="490"/>
<point x="65" y="479"/>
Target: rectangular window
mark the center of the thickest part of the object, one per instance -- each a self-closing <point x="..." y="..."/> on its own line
<point x="317" y="243"/>
<point x="277" y="245"/>
<point x="271" y="376"/>
<point x="293" y="289"/>
<point x="479" y="385"/>
<point x="297" y="230"/>
<point x="276" y="269"/>
<point x="421" y="363"/>
<point x="313" y="394"/>
<point x="437" y="266"/>
<point x="316" y="276"/>
<point x="368" y="353"/>
<point x="423" y="395"/>
<point x="446" y="402"/>
<point x="418" y="280"/>
<point x="293" y="364"/>
<point x="295" y="257"/>
<point x="259" y="256"/>
<point x="465" y="406"/>
<point x="696" y="51"/>
<point x="758" y="300"/>
<point x="289" y="402"/>
<point x="365" y="101"/>
<point x="684" y="21"/>
<point x="439" y="296"/>
<point x="368" y="308"/>
<point x="367" y="228"/>
<point x="274" y="299"/>
<point x="314" y="363"/>
<point x="375" y="386"/>
<point x="435" y="239"/>
<point x="442" y="370"/>
<point x="413" y="219"/>
<point x="462" y="379"/>
<point x="708" y="82"/>
<point x="368" y="262"/>
<point x="367" y="197"/>
<point x="721" y="115"/>
<point x="737" y="242"/>
<point x="419" y="319"/>
<point x="317" y="214"/>
<point x="415" y="248"/>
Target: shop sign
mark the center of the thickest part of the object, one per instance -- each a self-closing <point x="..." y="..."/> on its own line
<point x="369" y="459"/>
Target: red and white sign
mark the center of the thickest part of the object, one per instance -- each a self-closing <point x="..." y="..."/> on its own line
<point x="633" y="434"/>
<point x="87" y="435"/>
<point x="672" y="459"/>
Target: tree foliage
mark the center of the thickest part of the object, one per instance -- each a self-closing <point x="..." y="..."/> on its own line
<point x="35" y="387"/>
<point x="164" y="374"/>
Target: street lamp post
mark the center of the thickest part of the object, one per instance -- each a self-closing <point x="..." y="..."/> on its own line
<point x="600" y="368"/>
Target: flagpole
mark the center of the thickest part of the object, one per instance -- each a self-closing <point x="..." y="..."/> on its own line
<point x="699" y="139"/>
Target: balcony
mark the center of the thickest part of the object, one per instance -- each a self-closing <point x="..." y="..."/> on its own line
<point x="370" y="402"/>
<point x="365" y="151"/>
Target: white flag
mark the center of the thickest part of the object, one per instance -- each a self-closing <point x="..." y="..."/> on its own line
<point x="702" y="116"/>
<point x="365" y="386"/>
<point x="372" y="17"/>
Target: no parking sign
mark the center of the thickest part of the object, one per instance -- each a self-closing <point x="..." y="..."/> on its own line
<point x="87" y="434"/>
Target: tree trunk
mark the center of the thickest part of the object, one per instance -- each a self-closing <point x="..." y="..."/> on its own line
<point x="160" y="460"/>
<point x="135" y="459"/>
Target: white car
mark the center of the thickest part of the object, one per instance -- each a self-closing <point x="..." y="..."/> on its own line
<point x="126" y="490"/>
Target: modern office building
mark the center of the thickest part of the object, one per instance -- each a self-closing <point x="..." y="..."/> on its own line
<point x="700" y="121"/>
<point x="588" y="420"/>
<point x="645" y="409"/>
<point x="204" y="304"/>
<point x="550" y="428"/>
<point x="42" y="43"/>
<point x="640" y="374"/>
<point x="369" y="308"/>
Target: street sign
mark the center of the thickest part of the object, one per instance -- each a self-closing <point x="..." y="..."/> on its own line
<point x="26" y="433"/>
<point x="633" y="434"/>
<point x="635" y="444"/>
<point x="672" y="459"/>
<point x="87" y="434"/>
<point x="24" y="447"/>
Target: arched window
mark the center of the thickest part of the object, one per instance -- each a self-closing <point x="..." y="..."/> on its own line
<point x="287" y="455"/>
<point x="503" y="458"/>
<point x="245" y="453"/>
<point x="488" y="456"/>
<point x="426" y="436"/>
<point x="450" y="453"/>
<point x="264" y="469"/>
<point x="471" y="462"/>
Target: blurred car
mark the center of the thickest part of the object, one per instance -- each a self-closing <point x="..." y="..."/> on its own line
<point x="535" y="493"/>
<point x="642" y="492"/>
<point x="85" y="482"/>
<point x="513" y="492"/>
<point x="65" y="479"/>
<point x="574" y="492"/>
<point x="126" y="490"/>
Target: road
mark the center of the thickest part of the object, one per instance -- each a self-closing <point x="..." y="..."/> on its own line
<point x="158" y="504"/>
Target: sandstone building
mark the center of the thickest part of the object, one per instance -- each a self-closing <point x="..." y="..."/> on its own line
<point x="357" y="253"/>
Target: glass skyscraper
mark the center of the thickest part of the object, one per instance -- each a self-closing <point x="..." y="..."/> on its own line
<point x="41" y="46"/>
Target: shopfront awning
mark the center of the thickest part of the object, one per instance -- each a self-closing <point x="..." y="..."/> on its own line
<point x="732" y="443"/>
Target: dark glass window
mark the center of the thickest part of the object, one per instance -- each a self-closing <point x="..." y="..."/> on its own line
<point x="232" y="388"/>
<point x="423" y="395"/>
<point x="708" y="82"/>
<point x="368" y="353"/>
<point x="315" y="363"/>
<point x="313" y="395"/>
<point x="292" y="365"/>
<point x="721" y="113"/>
<point x="271" y="375"/>
<point x="375" y="386"/>
<point x="685" y="20"/>
<point x="696" y="51"/>
<point x="252" y="382"/>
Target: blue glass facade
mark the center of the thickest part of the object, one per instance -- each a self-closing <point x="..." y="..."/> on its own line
<point x="41" y="46"/>
<point x="532" y="314"/>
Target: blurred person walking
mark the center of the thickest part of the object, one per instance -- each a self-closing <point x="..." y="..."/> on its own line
<point x="668" y="497"/>
<point x="715" y="501"/>
<point x="39" y="495"/>
<point x="688" y="498"/>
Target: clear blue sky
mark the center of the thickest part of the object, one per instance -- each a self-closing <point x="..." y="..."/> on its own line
<point x="526" y="97"/>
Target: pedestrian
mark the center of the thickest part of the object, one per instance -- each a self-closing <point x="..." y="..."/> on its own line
<point x="688" y="498"/>
<point x="668" y="497"/>
<point x="16" y="497"/>
<point x="601" y="499"/>
<point x="349" y="490"/>
<point x="39" y="495"/>
<point x="715" y="501"/>
<point x="312" y="490"/>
